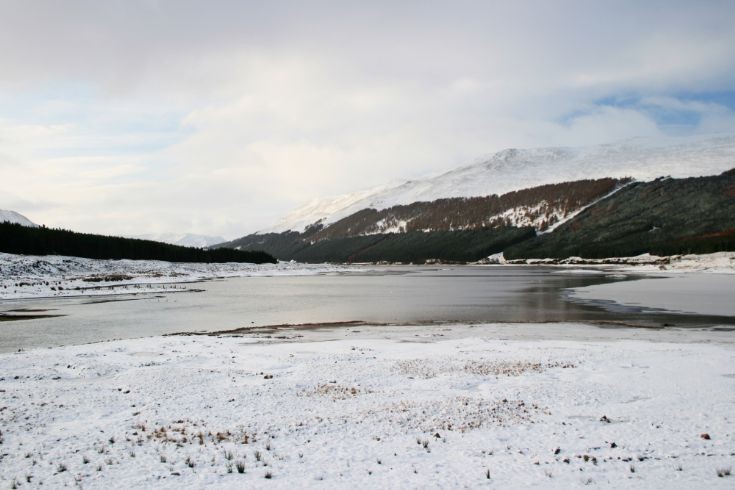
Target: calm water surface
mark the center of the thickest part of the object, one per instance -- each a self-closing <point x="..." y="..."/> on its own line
<point x="394" y="295"/>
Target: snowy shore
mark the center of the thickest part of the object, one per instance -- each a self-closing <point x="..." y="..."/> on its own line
<point x="397" y="407"/>
<point x="719" y="263"/>
<point x="28" y="276"/>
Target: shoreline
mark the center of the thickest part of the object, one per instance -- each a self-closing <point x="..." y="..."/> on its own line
<point x="590" y="331"/>
<point x="36" y="277"/>
<point x="54" y="276"/>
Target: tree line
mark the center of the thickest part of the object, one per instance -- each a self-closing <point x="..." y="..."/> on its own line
<point x="18" y="239"/>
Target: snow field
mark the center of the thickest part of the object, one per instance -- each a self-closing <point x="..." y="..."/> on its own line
<point x="406" y="410"/>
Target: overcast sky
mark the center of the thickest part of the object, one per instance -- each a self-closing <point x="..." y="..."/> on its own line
<point x="219" y="117"/>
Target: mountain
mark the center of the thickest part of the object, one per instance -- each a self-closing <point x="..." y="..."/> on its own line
<point x="589" y="218"/>
<point x="184" y="240"/>
<point x="640" y="196"/>
<point x="517" y="169"/>
<point x="453" y="229"/>
<point x="13" y="217"/>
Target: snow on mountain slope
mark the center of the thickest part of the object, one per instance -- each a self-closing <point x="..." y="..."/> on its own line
<point x="185" y="240"/>
<point x="13" y="217"/>
<point x="322" y="208"/>
<point x="515" y="169"/>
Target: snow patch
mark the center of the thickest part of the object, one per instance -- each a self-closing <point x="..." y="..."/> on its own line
<point x="387" y="225"/>
<point x="537" y="216"/>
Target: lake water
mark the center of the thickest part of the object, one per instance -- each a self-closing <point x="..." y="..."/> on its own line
<point x="394" y="295"/>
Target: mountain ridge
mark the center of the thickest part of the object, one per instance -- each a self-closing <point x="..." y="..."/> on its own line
<point x="516" y="169"/>
<point x="591" y="218"/>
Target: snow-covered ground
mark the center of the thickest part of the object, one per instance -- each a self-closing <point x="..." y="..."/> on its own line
<point x="717" y="263"/>
<point x="27" y="276"/>
<point x="720" y="263"/>
<point x="379" y="407"/>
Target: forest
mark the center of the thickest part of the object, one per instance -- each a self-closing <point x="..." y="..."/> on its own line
<point x="18" y="239"/>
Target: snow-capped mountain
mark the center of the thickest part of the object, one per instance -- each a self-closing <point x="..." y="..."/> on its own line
<point x="13" y="217"/>
<point x="185" y="239"/>
<point x="515" y="169"/>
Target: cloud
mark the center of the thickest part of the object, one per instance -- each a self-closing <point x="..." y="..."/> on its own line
<point x="150" y="116"/>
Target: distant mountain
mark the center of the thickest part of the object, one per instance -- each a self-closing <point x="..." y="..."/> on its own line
<point x="184" y="240"/>
<point x="516" y="169"/>
<point x="13" y="217"/>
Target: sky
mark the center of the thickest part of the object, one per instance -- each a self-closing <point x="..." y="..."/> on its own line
<point x="219" y="117"/>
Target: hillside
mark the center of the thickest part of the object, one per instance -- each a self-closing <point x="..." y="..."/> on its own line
<point x="663" y="217"/>
<point x="517" y="169"/>
<point x="415" y="246"/>
<point x="540" y="208"/>
<point x="18" y="239"/>
<point x="457" y="229"/>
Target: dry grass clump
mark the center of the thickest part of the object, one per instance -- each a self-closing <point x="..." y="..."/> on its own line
<point x="458" y="414"/>
<point x="427" y="368"/>
<point x="418" y="368"/>
<point x="186" y="432"/>
<point x="107" y="278"/>
<point x="334" y="391"/>
<point x="511" y="368"/>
